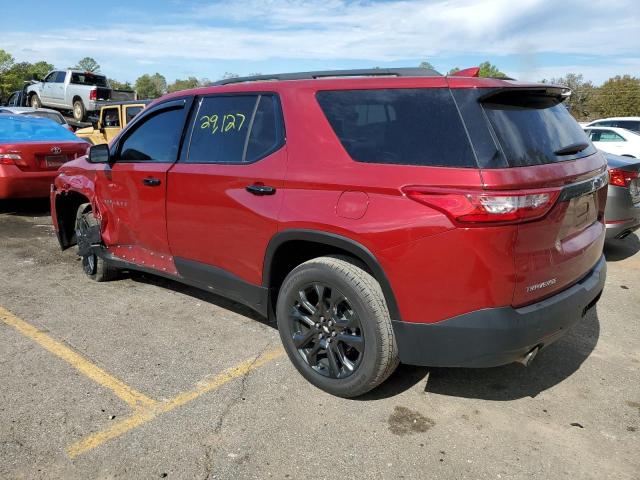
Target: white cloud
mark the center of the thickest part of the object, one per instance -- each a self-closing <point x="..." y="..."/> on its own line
<point x="333" y="30"/>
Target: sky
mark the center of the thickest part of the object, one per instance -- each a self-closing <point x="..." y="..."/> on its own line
<point x="527" y="39"/>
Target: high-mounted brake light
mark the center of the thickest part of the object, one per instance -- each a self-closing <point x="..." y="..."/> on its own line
<point x="93" y="94"/>
<point x="9" y="158"/>
<point x="485" y="207"/>
<point x="621" y="178"/>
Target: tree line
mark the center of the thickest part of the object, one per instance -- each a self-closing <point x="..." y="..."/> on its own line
<point x="618" y="96"/>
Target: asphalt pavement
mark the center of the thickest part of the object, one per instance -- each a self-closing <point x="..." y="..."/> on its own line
<point x="146" y="378"/>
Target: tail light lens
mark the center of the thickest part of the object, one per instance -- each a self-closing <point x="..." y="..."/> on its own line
<point x="621" y="178"/>
<point x="9" y="158"/>
<point x="93" y="94"/>
<point x="485" y="207"/>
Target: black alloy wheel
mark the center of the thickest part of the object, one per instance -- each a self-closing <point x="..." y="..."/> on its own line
<point x="326" y="331"/>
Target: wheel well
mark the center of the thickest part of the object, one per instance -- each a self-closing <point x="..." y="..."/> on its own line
<point x="67" y="205"/>
<point x="291" y="253"/>
<point x="77" y="98"/>
<point x="627" y="155"/>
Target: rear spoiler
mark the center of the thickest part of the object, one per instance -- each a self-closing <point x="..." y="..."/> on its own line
<point x="532" y="97"/>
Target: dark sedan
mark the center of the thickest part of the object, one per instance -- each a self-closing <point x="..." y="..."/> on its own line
<point x="622" y="214"/>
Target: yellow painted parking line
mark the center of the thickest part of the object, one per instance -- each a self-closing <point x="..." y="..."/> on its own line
<point x="146" y="415"/>
<point x="129" y="395"/>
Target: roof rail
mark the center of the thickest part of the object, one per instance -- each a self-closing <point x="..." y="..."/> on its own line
<point x="364" y="72"/>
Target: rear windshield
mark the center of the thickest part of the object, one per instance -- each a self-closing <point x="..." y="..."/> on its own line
<point x="89" y="79"/>
<point x="535" y="130"/>
<point x="22" y="128"/>
<point x="629" y="125"/>
<point x="399" y="126"/>
<point x="56" y="117"/>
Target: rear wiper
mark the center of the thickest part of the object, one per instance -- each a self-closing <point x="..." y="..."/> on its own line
<point x="571" y="149"/>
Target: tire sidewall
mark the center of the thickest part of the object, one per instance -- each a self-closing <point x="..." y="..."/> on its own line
<point x="360" y="380"/>
<point x="35" y="101"/>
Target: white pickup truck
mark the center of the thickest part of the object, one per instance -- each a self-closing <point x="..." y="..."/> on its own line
<point x="74" y="90"/>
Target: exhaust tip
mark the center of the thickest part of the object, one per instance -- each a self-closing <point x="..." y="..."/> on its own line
<point x="528" y="358"/>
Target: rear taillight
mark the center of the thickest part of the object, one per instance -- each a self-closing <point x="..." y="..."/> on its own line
<point x="621" y="178"/>
<point x="93" y="94"/>
<point x="485" y="207"/>
<point x="9" y="158"/>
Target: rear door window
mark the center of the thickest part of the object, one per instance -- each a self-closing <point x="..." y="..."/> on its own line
<point x="534" y="129"/>
<point x="399" y="126"/>
<point x="235" y="129"/>
<point x="132" y="112"/>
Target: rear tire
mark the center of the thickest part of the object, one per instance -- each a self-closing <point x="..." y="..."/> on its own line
<point x="95" y="267"/>
<point x="79" y="112"/>
<point x="34" y="101"/>
<point x="335" y="326"/>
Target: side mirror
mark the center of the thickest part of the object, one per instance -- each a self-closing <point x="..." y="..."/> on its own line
<point x="99" y="154"/>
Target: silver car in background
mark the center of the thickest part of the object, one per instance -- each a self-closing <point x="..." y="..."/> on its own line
<point x="622" y="213"/>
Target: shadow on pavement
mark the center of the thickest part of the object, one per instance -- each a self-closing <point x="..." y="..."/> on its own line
<point x="616" y="250"/>
<point x="36" y="207"/>
<point x="552" y="365"/>
<point x="509" y="382"/>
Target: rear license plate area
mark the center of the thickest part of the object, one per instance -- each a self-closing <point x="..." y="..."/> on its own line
<point x="55" y="160"/>
<point x="585" y="211"/>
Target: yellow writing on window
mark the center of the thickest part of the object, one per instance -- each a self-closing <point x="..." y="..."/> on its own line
<point x="229" y="122"/>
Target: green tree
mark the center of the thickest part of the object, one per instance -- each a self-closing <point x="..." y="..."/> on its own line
<point x="115" y="84"/>
<point x="617" y="97"/>
<point x="88" y="64"/>
<point x="183" y="84"/>
<point x="40" y="69"/>
<point x="13" y="77"/>
<point x="489" y="70"/>
<point x="580" y="102"/>
<point x="426" y="65"/>
<point x="151" y="86"/>
<point x="453" y="70"/>
<point x="6" y="61"/>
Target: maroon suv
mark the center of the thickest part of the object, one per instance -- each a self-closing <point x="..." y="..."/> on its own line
<point x="380" y="216"/>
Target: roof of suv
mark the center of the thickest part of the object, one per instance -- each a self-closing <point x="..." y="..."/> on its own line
<point x="356" y="79"/>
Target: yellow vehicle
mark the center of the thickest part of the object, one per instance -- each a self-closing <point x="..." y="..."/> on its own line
<point x="113" y="118"/>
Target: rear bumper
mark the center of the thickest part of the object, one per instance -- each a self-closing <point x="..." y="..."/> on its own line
<point x="14" y="183"/>
<point x="497" y="336"/>
<point x="621" y="230"/>
<point x="622" y="216"/>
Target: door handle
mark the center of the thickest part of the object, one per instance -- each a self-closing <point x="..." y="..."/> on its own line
<point x="151" y="182"/>
<point x="258" y="189"/>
